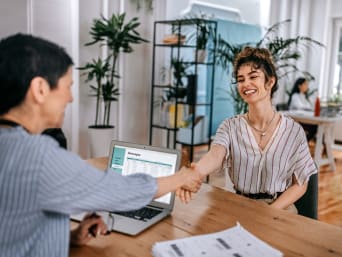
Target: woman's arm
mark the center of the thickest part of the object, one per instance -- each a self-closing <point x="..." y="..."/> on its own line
<point x="291" y="195"/>
<point x="211" y="161"/>
<point x="187" y="178"/>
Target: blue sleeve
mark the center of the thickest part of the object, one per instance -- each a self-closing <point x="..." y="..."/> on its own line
<point x="70" y="185"/>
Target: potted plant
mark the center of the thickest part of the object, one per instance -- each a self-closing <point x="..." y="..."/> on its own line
<point x="285" y="51"/>
<point x="203" y="34"/>
<point x="117" y="36"/>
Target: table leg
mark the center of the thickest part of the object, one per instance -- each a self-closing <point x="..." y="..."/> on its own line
<point x="318" y="146"/>
<point x="328" y="143"/>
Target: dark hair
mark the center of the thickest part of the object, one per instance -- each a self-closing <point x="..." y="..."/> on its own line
<point x="295" y="89"/>
<point x="259" y="58"/>
<point x="24" y="57"/>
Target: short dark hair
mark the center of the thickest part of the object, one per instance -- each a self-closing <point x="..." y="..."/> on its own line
<point x="259" y="58"/>
<point x="24" y="57"/>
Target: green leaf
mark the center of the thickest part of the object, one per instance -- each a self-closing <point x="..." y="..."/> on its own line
<point x="119" y="36"/>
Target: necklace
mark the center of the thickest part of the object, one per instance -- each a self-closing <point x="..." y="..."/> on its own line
<point x="262" y="132"/>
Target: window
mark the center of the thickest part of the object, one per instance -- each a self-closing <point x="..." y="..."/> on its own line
<point x="337" y="79"/>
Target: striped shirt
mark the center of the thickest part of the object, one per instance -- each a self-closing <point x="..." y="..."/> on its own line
<point x="42" y="184"/>
<point x="270" y="170"/>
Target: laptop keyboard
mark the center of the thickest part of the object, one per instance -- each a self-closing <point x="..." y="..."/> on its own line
<point x="143" y="214"/>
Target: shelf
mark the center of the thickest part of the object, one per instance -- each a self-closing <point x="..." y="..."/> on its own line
<point x="162" y="86"/>
<point x="199" y="63"/>
<point x="164" y="127"/>
<point x="187" y="55"/>
<point x="185" y="22"/>
<point x="200" y="104"/>
<point x="174" y="45"/>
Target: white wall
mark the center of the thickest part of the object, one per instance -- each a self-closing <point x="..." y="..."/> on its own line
<point x="58" y="20"/>
<point x="13" y="17"/>
<point x="53" y="20"/>
<point x="249" y="9"/>
<point x="130" y="115"/>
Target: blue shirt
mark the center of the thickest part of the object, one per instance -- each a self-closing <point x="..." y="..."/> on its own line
<point x="41" y="184"/>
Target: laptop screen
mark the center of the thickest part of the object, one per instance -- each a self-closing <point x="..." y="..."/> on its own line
<point x="128" y="160"/>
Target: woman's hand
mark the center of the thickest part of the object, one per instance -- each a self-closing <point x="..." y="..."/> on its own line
<point x="91" y="226"/>
<point x="184" y="195"/>
<point x="192" y="179"/>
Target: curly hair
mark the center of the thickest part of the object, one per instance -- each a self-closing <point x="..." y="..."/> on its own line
<point x="259" y="58"/>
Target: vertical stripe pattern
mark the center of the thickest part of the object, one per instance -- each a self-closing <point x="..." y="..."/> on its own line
<point x="270" y="170"/>
<point x="42" y="184"/>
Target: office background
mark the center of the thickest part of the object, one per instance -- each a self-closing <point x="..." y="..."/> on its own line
<point x="67" y="22"/>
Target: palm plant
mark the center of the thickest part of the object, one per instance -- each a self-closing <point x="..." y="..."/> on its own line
<point x="179" y="67"/>
<point x="98" y="69"/>
<point x="285" y="52"/>
<point x="118" y="37"/>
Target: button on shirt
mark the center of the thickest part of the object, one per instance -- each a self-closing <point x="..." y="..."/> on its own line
<point x="253" y="170"/>
<point x="42" y="184"/>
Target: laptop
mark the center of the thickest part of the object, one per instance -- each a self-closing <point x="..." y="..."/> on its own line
<point x="128" y="158"/>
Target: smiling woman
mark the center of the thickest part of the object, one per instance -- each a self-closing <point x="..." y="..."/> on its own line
<point x="266" y="153"/>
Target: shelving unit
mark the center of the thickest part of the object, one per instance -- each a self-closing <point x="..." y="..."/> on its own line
<point x="171" y="110"/>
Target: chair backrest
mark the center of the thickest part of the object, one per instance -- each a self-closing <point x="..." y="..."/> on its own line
<point x="58" y="135"/>
<point x="307" y="204"/>
<point x="282" y="107"/>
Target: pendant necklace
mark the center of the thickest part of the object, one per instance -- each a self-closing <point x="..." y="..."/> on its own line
<point x="262" y="132"/>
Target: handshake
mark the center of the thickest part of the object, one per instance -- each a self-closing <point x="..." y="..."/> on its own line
<point x="191" y="182"/>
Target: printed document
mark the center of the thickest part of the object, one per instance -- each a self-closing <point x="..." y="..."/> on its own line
<point x="235" y="242"/>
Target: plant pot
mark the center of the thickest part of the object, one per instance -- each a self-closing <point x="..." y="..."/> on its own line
<point x="100" y="138"/>
<point x="201" y="55"/>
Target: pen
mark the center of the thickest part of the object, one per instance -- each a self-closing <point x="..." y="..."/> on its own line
<point x="92" y="229"/>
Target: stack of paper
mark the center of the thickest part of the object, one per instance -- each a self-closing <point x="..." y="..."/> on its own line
<point x="235" y="242"/>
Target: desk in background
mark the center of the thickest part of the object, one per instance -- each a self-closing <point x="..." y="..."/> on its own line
<point x="325" y="131"/>
<point x="214" y="209"/>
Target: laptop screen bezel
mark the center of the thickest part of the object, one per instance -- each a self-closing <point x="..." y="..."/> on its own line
<point x="151" y="148"/>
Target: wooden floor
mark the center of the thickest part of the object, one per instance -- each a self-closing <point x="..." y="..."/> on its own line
<point x="330" y="188"/>
<point x="330" y="193"/>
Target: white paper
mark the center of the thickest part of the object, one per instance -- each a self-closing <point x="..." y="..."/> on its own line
<point x="234" y="242"/>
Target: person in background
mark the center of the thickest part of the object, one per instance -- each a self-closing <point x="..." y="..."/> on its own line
<point x="265" y="151"/>
<point x="299" y="100"/>
<point x="42" y="183"/>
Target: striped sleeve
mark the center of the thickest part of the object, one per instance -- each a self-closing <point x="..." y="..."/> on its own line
<point x="304" y="166"/>
<point x="70" y="185"/>
<point x="222" y="135"/>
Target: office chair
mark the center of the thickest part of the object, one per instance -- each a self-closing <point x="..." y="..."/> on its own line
<point x="58" y="135"/>
<point x="282" y="107"/>
<point x="307" y="204"/>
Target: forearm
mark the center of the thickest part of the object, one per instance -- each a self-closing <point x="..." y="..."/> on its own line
<point x="212" y="161"/>
<point x="169" y="184"/>
<point x="290" y="196"/>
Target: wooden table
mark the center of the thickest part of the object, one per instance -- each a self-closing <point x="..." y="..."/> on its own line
<point x="325" y="131"/>
<point x="215" y="209"/>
